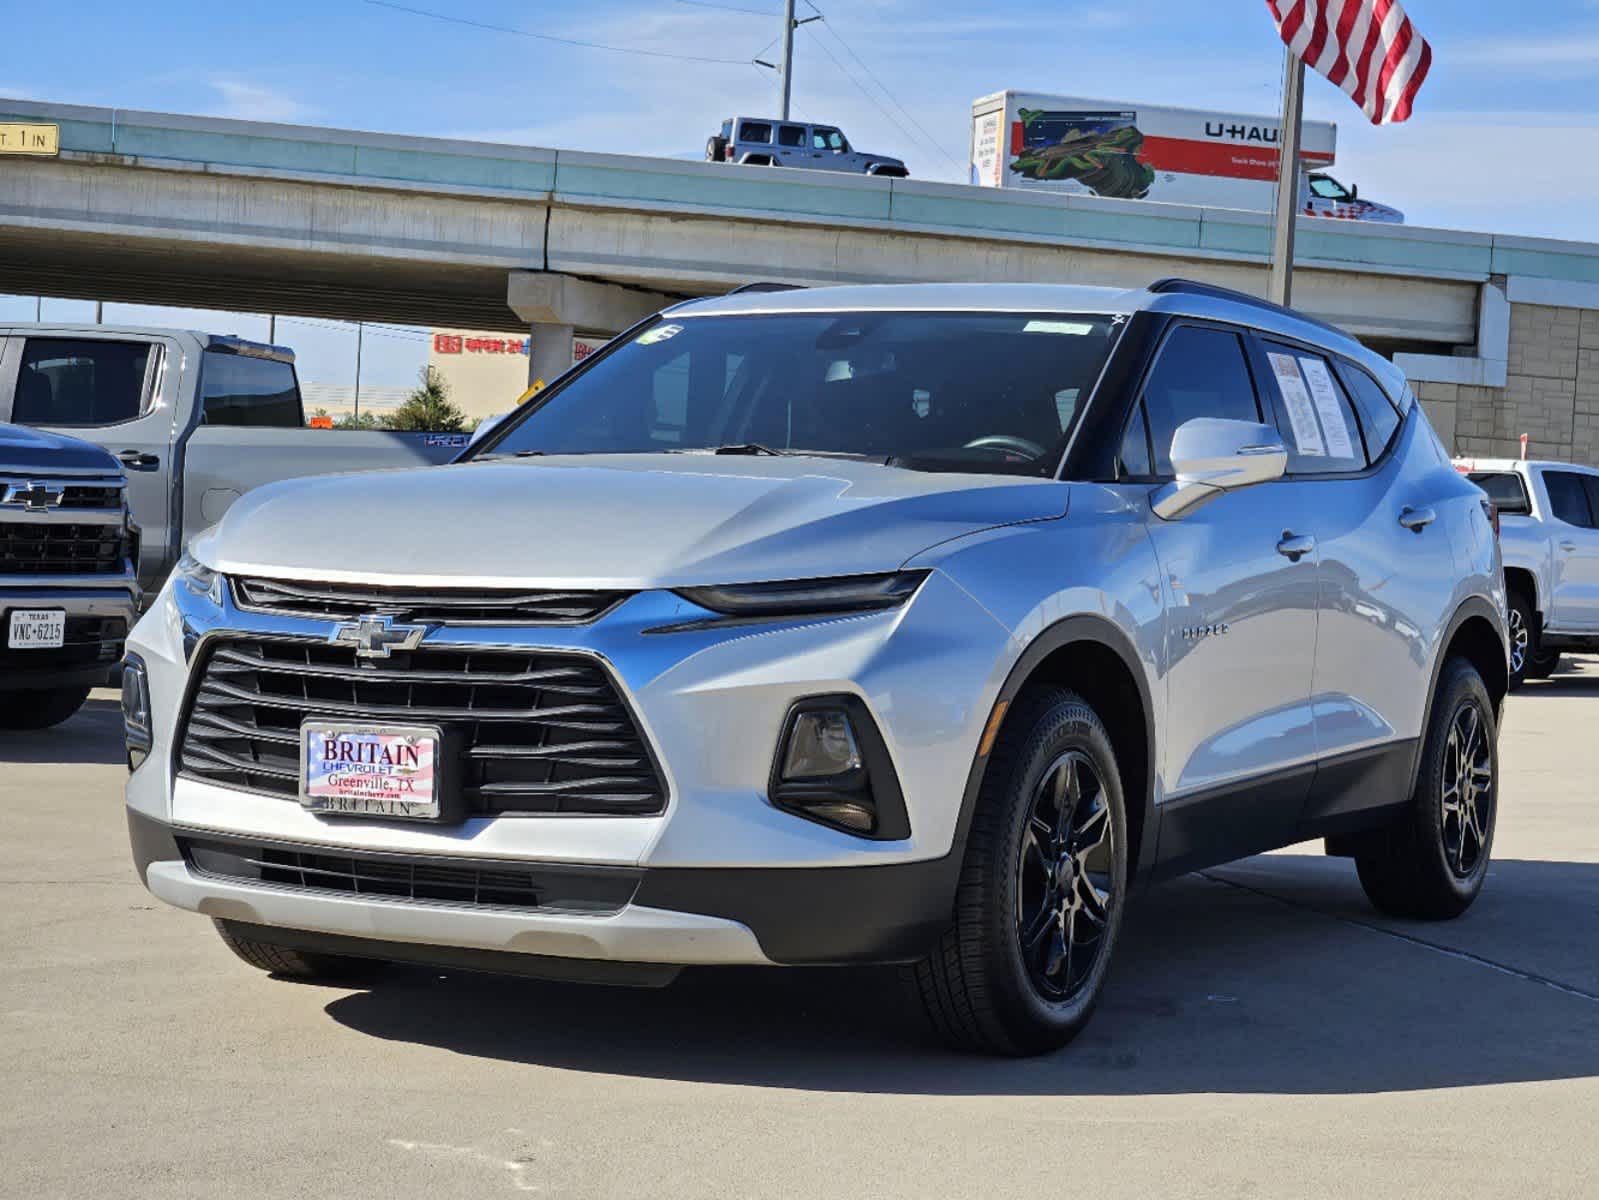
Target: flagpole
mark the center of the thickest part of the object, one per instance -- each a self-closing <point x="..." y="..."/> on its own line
<point x="1287" y="217"/>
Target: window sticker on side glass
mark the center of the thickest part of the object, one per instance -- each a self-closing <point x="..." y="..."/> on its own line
<point x="1325" y="394"/>
<point x="1307" y="436"/>
<point x="661" y="333"/>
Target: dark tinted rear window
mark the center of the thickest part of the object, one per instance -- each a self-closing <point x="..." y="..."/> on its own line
<point x="1505" y="489"/>
<point x="67" y="381"/>
<point x="249" y="391"/>
<point x="1568" y="499"/>
<point x="754" y="131"/>
<point x="1378" y="416"/>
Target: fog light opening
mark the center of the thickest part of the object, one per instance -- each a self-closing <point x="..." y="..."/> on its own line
<point x="833" y="767"/>
<point x="821" y="745"/>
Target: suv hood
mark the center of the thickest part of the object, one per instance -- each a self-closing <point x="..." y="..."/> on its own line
<point x="34" y="451"/>
<point x="622" y="521"/>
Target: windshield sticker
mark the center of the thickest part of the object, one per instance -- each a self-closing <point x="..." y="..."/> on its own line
<point x="661" y="333"/>
<point x="1307" y="436"/>
<point x="1325" y="394"/>
<point x="1070" y="328"/>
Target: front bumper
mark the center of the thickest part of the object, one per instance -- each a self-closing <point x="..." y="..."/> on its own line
<point x="724" y="877"/>
<point x="98" y="621"/>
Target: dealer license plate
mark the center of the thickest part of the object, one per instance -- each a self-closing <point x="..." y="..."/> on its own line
<point x="370" y="770"/>
<point x="37" y="629"/>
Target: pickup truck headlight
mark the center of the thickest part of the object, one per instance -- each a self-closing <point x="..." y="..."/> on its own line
<point x="198" y="578"/>
<point x="808" y="597"/>
<point x="137" y="733"/>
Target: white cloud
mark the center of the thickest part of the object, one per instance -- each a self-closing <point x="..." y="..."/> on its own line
<point x="251" y="102"/>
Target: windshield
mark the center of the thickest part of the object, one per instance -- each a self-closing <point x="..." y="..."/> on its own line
<point x="1328" y="188"/>
<point x="986" y="392"/>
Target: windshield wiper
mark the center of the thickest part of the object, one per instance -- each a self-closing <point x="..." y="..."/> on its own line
<point x="751" y="450"/>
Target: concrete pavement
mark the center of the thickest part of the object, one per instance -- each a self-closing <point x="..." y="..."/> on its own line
<point x="1264" y="1034"/>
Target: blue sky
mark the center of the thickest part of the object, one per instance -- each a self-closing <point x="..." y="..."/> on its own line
<point x="1505" y="138"/>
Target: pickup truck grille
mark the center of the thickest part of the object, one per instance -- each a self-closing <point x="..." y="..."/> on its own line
<point x="51" y="548"/>
<point x="434" y="606"/>
<point x="538" y="732"/>
<point x="73" y="495"/>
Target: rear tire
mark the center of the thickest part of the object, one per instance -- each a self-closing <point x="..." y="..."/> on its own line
<point x="1039" y="904"/>
<point x="1543" y="664"/>
<point x="297" y="964"/>
<point x="40" y="708"/>
<point x="1431" y="863"/>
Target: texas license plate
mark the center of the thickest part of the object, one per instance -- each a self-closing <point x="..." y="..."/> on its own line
<point x="37" y="629"/>
<point x="370" y="770"/>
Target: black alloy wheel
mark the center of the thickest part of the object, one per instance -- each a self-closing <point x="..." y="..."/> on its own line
<point x="1065" y="895"/>
<point x="1466" y="791"/>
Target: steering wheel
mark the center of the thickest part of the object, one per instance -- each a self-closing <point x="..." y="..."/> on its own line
<point x="1004" y="441"/>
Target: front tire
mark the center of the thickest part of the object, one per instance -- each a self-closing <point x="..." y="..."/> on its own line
<point x="1039" y="904"/>
<point x="296" y="964"/>
<point x="1431" y="863"/>
<point x="40" y="708"/>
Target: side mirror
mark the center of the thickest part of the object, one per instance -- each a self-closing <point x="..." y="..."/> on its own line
<point x="1211" y="456"/>
<point x="1354" y="191"/>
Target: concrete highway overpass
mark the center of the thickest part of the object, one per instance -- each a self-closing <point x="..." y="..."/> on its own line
<point x="166" y="209"/>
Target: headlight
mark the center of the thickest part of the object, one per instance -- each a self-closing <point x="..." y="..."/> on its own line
<point x="198" y="578"/>
<point x="853" y="593"/>
<point x="136" y="728"/>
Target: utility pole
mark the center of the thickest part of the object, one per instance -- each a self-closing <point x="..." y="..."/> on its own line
<point x="1287" y="217"/>
<point x="360" y="329"/>
<point x="788" y="55"/>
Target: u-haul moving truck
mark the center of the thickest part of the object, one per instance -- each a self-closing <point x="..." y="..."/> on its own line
<point x="1133" y="151"/>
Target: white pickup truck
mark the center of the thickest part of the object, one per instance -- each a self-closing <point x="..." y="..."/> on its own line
<point x="1549" y="531"/>
<point x="195" y="420"/>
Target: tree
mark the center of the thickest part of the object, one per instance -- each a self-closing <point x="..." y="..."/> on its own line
<point x="358" y="421"/>
<point x="428" y="409"/>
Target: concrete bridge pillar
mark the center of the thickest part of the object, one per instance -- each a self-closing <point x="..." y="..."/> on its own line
<point x="558" y="307"/>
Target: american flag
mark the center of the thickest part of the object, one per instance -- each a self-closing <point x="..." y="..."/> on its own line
<point x="1367" y="47"/>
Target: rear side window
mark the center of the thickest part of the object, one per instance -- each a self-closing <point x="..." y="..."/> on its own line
<point x="755" y="131"/>
<point x="1378" y="416"/>
<point x="1200" y="373"/>
<point x="1568" y="498"/>
<point x="791" y="135"/>
<point x="67" y="381"/>
<point x="237" y="390"/>
<point x="1314" y="416"/>
<point x="1505" y="489"/>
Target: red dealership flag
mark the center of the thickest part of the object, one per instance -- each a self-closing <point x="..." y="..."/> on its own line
<point x="1367" y="47"/>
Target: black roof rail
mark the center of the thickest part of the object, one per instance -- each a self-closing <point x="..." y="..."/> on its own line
<point x="766" y="286"/>
<point x="1194" y="287"/>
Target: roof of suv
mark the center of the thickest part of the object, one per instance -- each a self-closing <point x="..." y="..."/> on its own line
<point x="1193" y="300"/>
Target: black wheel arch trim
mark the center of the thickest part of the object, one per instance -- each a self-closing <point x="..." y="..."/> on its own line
<point x="1471" y="607"/>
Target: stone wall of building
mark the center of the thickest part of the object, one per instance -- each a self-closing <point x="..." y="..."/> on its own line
<point x="1551" y="392"/>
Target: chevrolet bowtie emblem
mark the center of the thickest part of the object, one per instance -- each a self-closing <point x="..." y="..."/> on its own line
<point x="36" y="497"/>
<point x="376" y="636"/>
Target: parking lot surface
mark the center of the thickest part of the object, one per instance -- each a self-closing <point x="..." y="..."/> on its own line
<point x="1265" y="1033"/>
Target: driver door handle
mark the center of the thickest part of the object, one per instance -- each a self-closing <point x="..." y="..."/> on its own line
<point x="1416" y="519"/>
<point x="1295" y="546"/>
<point x="136" y="460"/>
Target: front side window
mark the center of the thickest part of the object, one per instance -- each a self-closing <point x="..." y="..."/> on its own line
<point x="1200" y="373"/>
<point x="984" y="392"/>
<point x="1314" y="416"/>
<point x="67" y="381"/>
<point x="755" y="131"/>
<point x="828" y="139"/>
<point x="239" y="390"/>
<point x="1568" y="499"/>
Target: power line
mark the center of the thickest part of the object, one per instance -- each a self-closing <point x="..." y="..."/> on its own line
<point x="550" y="37"/>
<point x="849" y="75"/>
<point x="870" y="74"/>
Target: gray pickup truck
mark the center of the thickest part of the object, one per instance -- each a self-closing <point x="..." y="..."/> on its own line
<point x="1549" y="532"/>
<point x="195" y="420"/>
<point x="67" y="590"/>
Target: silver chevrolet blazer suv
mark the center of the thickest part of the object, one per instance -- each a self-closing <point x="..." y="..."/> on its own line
<point x="912" y="625"/>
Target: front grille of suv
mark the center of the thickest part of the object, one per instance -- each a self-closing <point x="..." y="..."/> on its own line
<point x="595" y="890"/>
<point x="52" y="548"/>
<point x="537" y="731"/>
<point x="433" y="606"/>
